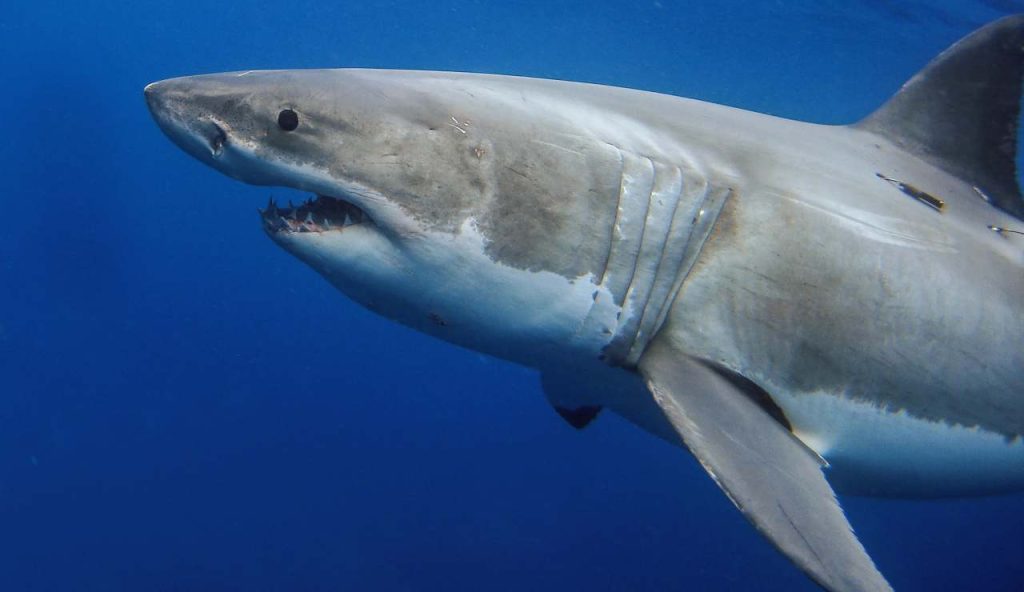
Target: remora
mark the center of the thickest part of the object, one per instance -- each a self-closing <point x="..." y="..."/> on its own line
<point x="776" y="296"/>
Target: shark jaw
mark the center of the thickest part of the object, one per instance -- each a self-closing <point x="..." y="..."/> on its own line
<point x="321" y="213"/>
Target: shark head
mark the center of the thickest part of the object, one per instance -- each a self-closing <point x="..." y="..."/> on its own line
<point x="423" y="206"/>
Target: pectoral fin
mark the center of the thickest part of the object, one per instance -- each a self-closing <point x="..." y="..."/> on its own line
<point x="768" y="474"/>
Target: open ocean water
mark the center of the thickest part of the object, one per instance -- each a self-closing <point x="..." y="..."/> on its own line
<point x="185" y="406"/>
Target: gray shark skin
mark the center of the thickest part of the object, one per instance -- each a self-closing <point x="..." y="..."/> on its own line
<point x="783" y="299"/>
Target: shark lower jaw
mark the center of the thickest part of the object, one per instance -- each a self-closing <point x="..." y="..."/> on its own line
<point x="318" y="214"/>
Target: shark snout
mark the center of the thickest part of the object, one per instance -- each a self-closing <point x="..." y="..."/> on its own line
<point x="173" y="106"/>
<point x="161" y="99"/>
<point x="152" y="93"/>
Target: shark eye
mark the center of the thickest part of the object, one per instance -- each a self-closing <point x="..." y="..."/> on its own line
<point x="288" y="120"/>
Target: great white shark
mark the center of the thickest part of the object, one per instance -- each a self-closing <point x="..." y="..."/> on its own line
<point x="785" y="300"/>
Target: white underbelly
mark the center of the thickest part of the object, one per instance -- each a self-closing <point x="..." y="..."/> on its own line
<point x="875" y="451"/>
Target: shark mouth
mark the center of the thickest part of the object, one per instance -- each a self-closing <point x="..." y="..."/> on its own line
<point x="319" y="214"/>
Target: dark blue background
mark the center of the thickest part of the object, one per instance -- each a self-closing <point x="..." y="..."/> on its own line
<point x="183" y="406"/>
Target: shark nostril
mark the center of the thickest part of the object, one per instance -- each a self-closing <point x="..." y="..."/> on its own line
<point x="217" y="138"/>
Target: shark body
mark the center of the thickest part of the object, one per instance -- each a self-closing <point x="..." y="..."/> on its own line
<point x="776" y="296"/>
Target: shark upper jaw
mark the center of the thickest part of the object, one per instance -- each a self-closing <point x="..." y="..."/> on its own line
<point x="334" y="207"/>
<point x="322" y="213"/>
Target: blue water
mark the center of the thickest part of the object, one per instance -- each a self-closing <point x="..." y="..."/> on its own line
<point x="184" y="406"/>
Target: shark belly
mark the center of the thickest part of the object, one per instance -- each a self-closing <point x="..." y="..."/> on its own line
<point x="875" y="450"/>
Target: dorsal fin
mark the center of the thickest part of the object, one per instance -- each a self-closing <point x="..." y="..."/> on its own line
<point x="961" y="112"/>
